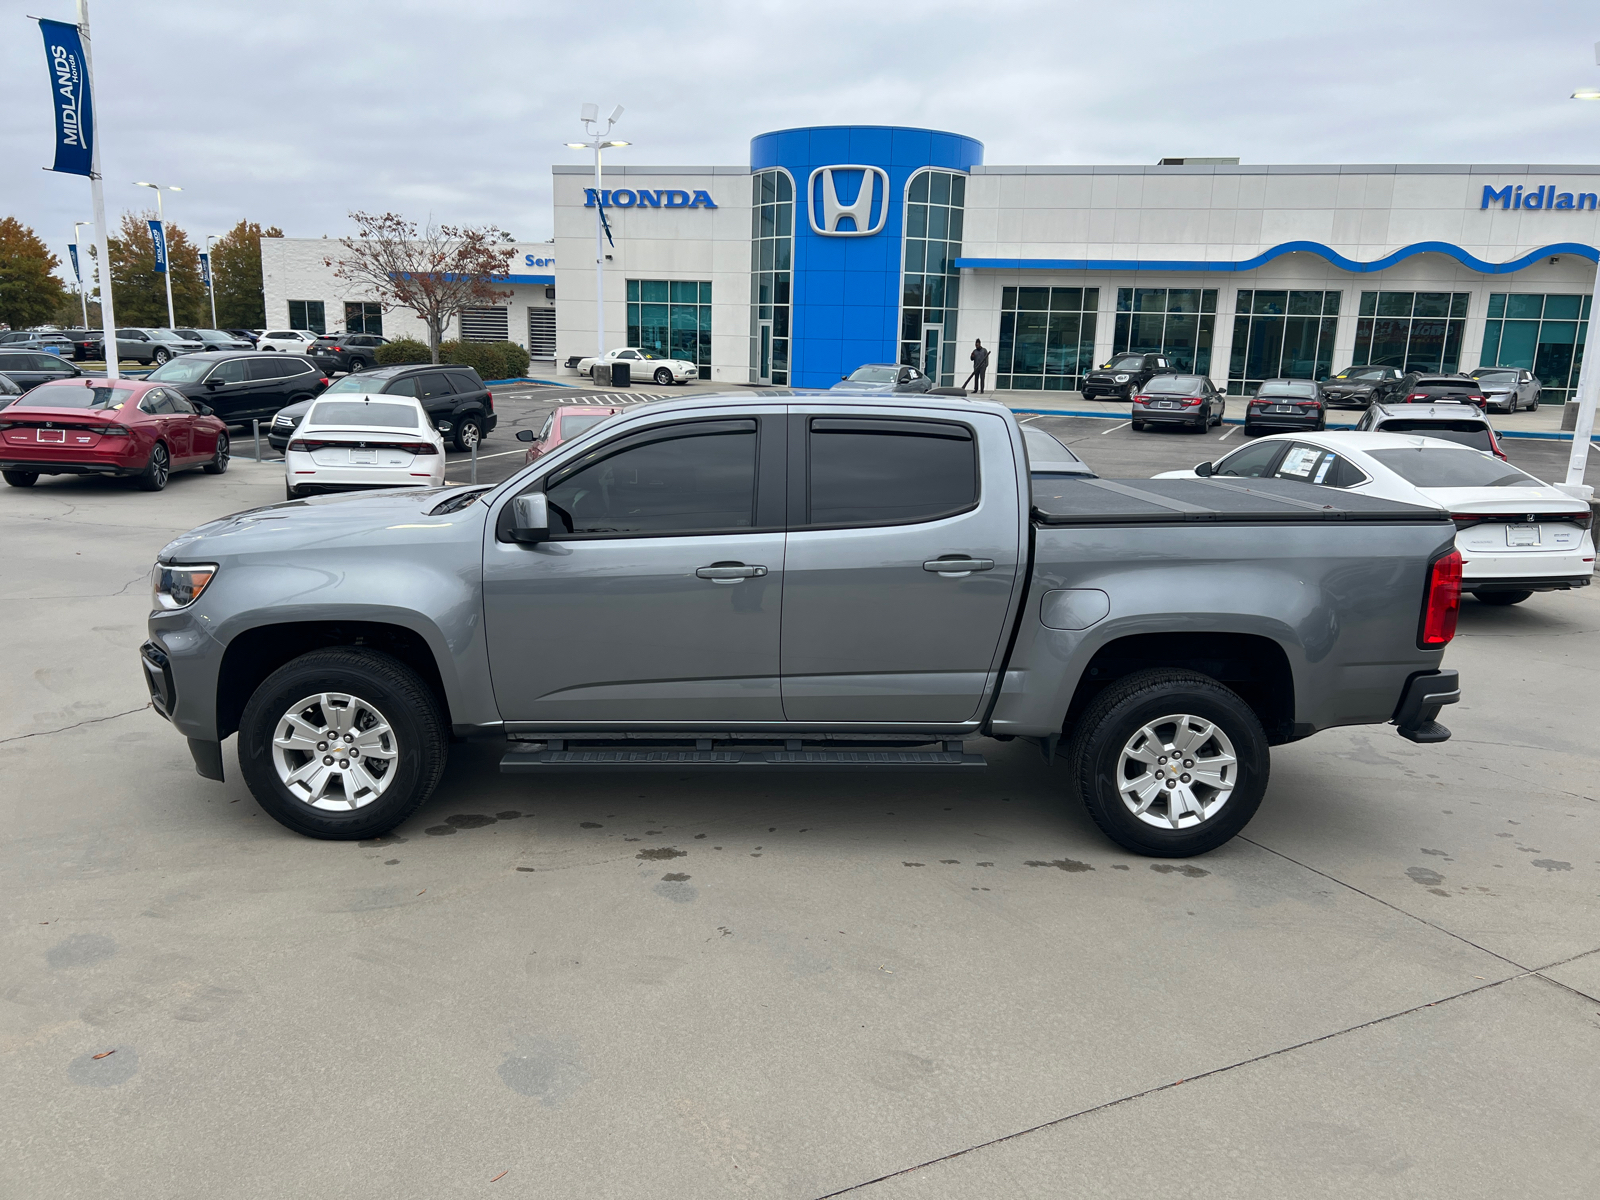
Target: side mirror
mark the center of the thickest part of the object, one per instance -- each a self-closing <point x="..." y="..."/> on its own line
<point x="530" y="518"/>
<point x="844" y="379"/>
<point x="1204" y="470"/>
<point x="527" y="435"/>
<point x="213" y="383"/>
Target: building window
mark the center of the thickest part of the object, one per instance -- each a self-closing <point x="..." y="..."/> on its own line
<point x="542" y="334"/>
<point x="363" y="317"/>
<point x="672" y="318"/>
<point x="1177" y="322"/>
<point x="1415" y="331"/>
<point x="307" y="314"/>
<point x="771" y="272"/>
<point x="930" y="289"/>
<point x="1281" y="335"/>
<point x="1539" y="333"/>
<point x="1046" y="337"/>
<point x="486" y="324"/>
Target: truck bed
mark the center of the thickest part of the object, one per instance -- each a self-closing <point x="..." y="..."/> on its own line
<point x="1059" y="501"/>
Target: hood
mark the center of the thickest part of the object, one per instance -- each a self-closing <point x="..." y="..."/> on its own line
<point x="403" y="516"/>
<point x="845" y="385"/>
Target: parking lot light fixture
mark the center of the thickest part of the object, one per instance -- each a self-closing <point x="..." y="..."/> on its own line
<point x="1588" y="376"/>
<point x="161" y="217"/>
<point x="1587" y="93"/>
<point x="598" y="141"/>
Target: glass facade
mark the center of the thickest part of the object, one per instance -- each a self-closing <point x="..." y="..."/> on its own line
<point x="771" y="275"/>
<point x="672" y="318"/>
<point x="1046" y="337"/>
<point x="363" y="317"/>
<point x="307" y="315"/>
<point x="930" y="289"/>
<point x="1539" y="333"/>
<point x="1415" y="331"/>
<point x="1177" y="322"/>
<point x="1281" y="335"/>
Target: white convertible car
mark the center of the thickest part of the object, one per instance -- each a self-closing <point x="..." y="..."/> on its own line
<point x="1516" y="534"/>
<point x="644" y="366"/>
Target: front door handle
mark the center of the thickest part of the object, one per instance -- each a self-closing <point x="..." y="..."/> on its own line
<point x="958" y="566"/>
<point x="729" y="572"/>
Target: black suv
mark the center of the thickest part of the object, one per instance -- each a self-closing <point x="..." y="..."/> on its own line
<point x="1363" y="385"/>
<point x="1426" y="387"/>
<point x="454" y="396"/>
<point x="345" y="351"/>
<point x="241" y="385"/>
<point x="1125" y="374"/>
<point x="30" y="368"/>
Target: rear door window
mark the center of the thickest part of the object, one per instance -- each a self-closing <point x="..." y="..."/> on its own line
<point x="432" y="386"/>
<point x="1250" y="463"/>
<point x="865" y="471"/>
<point x="698" y="477"/>
<point x="257" y="369"/>
<point x="463" y="382"/>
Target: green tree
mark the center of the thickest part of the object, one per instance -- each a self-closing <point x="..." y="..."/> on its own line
<point x="141" y="293"/>
<point x="236" y="276"/>
<point x="29" y="292"/>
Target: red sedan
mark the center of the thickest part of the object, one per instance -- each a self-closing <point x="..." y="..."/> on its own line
<point x="566" y="423"/>
<point x="127" y="428"/>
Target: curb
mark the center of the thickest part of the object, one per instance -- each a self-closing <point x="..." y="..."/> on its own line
<point x="525" y="379"/>
<point x="1101" y="416"/>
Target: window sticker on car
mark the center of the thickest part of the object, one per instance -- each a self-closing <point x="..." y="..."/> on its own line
<point x="1299" y="461"/>
<point x="1322" y="471"/>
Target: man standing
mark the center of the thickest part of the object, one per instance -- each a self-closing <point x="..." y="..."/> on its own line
<point x="980" y="363"/>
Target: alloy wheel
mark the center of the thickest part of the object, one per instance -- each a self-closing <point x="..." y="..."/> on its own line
<point x="334" y="751"/>
<point x="1177" y="771"/>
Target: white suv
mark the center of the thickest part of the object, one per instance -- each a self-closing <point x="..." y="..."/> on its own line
<point x="291" y="341"/>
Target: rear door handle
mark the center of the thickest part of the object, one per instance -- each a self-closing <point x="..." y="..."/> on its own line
<point x="958" y="566"/>
<point x="729" y="572"/>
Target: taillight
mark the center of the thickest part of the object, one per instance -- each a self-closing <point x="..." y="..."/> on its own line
<point x="1494" y="445"/>
<point x="324" y="381"/>
<point x="305" y="447"/>
<point x="338" y="349"/>
<point x="1141" y="399"/>
<point x="1419" y="396"/>
<point x="491" y="400"/>
<point x="109" y="430"/>
<point x="417" y="447"/>
<point x="1443" y="603"/>
<point x="1305" y="404"/>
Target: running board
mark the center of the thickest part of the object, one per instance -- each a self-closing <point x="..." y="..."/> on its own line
<point x="543" y="761"/>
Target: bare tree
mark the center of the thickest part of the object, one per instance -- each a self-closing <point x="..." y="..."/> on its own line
<point x="435" y="272"/>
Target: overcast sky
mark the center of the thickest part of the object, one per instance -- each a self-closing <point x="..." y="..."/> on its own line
<point x="293" y="112"/>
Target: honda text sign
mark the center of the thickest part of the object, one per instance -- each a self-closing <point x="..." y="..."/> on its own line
<point x="867" y="210"/>
<point x="158" y="239"/>
<point x="69" y="85"/>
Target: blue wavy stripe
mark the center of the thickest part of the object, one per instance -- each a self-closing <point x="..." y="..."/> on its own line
<point x="1250" y="264"/>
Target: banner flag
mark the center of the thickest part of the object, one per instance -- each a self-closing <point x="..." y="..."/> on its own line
<point x="159" y="238"/>
<point x="69" y="84"/>
<point x="205" y="270"/>
<point x="76" y="274"/>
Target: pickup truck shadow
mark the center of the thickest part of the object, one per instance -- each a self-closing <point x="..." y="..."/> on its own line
<point x="1019" y="801"/>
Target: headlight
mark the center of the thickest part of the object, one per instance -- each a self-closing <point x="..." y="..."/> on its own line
<point x="1120" y="379"/>
<point x="178" y="587"/>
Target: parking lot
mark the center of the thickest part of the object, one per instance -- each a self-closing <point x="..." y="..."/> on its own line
<point x="887" y="986"/>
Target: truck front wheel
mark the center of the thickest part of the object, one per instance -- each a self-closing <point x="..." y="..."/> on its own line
<point x="342" y="744"/>
<point x="1169" y="763"/>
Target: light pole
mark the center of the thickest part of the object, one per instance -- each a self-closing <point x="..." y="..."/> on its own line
<point x="167" y="248"/>
<point x="211" y="275"/>
<point x="598" y="140"/>
<point x="1589" y="374"/>
<point x="82" y="293"/>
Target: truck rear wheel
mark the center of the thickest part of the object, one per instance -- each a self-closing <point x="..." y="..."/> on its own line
<point x="1169" y="763"/>
<point x="342" y="744"/>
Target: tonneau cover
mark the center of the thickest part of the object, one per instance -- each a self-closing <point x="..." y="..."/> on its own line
<point x="1067" y="501"/>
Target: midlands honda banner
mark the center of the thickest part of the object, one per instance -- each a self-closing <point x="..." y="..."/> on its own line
<point x="205" y="269"/>
<point x="76" y="274"/>
<point x="158" y="238"/>
<point x="69" y="84"/>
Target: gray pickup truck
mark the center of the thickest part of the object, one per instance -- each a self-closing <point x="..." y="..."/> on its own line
<point x="803" y="582"/>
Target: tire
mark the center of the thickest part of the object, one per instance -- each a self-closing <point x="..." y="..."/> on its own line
<point x="356" y="364"/>
<point x="1534" y="407"/>
<point x="375" y="690"/>
<point x="160" y="357"/>
<point x="21" y="478"/>
<point x="156" y="472"/>
<point x="468" y="433"/>
<point x="1501" y="599"/>
<point x="1131" y="715"/>
<point x="1322" y="422"/>
<point x="663" y="376"/>
<point x="219" y="461"/>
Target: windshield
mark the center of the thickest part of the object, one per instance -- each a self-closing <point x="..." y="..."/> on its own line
<point x="1128" y="362"/>
<point x="165" y="335"/>
<point x="1363" y="373"/>
<point x="1303" y="391"/>
<point x="71" y="394"/>
<point x="181" y="370"/>
<point x="1507" y="377"/>
<point x="1175" y="385"/>
<point x="354" y="383"/>
<point x="873" y="374"/>
<point x="651" y="354"/>
<point x="1434" y="467"/>
<point x="571" y="427"/>
<point x="364" y="413"/>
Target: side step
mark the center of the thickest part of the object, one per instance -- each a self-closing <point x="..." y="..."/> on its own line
<point x="543" y="760"/>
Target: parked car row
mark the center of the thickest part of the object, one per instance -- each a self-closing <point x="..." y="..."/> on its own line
<point x="454" y="397"/>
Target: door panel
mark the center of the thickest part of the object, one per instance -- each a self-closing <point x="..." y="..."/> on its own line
<point x="871" y="632"/>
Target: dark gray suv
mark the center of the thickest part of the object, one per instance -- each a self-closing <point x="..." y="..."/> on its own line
<point x="461" y="406"/>
<point x="240" y="386"/>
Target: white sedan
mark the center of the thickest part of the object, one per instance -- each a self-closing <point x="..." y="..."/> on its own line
<point x="1516" y="534"/>
<point x="358" y="442"/>
<point x="644" y="366"/>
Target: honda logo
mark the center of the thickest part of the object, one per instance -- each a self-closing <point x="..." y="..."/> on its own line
<point x="822" y="189"/>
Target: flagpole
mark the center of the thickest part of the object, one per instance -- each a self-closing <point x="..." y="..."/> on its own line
<point x="83" y="290"/>
<point x="97" y="193"/>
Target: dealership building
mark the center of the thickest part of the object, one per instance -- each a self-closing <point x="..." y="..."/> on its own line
<point x="841" y="245"/>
